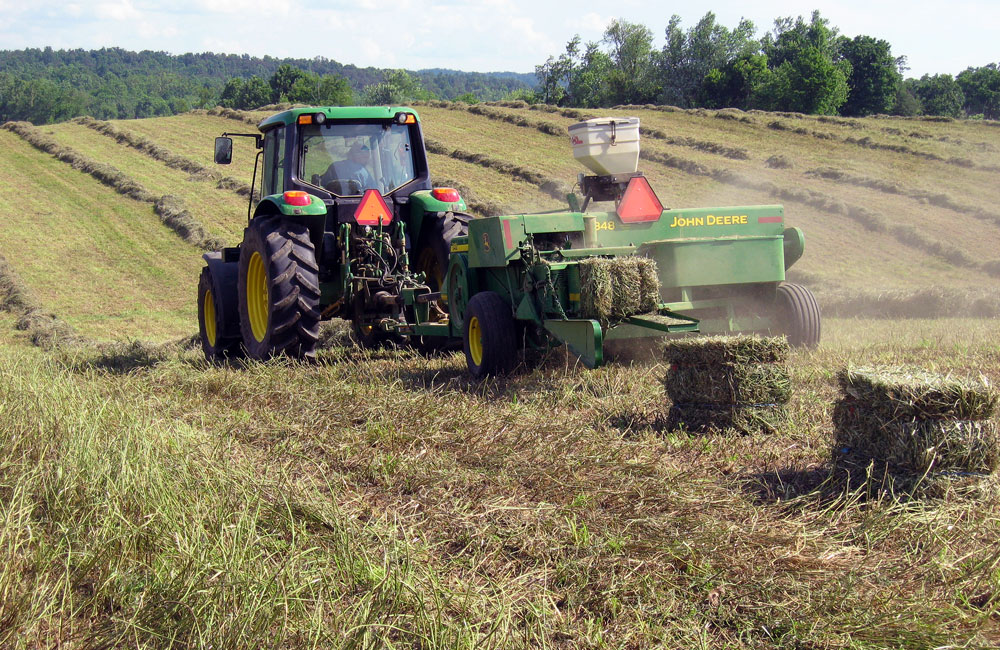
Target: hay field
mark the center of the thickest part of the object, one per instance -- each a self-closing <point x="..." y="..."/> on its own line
<point x="384" y="500"/>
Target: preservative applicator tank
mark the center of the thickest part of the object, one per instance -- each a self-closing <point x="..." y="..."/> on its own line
<point x="607" y="145"/>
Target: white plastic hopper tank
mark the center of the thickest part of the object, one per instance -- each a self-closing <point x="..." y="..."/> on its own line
<point x="607" y="145"/>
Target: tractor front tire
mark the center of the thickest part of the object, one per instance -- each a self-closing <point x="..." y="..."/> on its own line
<point x="216" y="324"/>
<point x="278" y="290"/>
<point x="490" y="335"/>
<point x="798" y="315"/>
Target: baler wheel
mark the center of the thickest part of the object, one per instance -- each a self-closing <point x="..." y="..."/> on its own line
<point x="212" y="323"/>
<point x="490" y="336"/>
<point x="798" y="315"/>
<point x="278" y="290"/>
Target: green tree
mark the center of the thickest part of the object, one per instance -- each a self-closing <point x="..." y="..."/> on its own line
<point x="282" y="82"/>
<point x="809" y="75"/>
<point x="588" y="86"/>
<point x="906" y="102"/>
<point x="396" y="87"/>
<point x="939" y="95"/>
<point x="467" y="98"/>
<point x="738" y="84"/>
<point x="689" y="57"/>
<point x="256" y="93"/>
<point x="981" y="87"/>
<point x="874" y="75"/>
<point x="632" y="78"/>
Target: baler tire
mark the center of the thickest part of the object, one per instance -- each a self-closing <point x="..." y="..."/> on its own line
<point x="798" y="314"/>
<point x="490" y="335"/>
<point x="289" y="315"/>
<point x="214" y="343"/>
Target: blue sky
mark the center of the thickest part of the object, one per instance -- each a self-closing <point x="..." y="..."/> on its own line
<point x="484" y="35"/>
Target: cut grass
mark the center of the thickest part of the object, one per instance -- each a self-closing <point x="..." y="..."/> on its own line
<point x="180" y="503"/>
<point x="102" y="262"/>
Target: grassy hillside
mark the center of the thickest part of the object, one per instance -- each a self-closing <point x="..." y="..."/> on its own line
<point x="382" y="499"/>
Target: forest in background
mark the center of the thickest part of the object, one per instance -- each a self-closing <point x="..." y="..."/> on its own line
<point x="804" y="66"/>
<point x="46" y="85"/>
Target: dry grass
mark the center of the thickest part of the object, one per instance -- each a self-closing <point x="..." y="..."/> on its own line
<point x="171" y="502"/>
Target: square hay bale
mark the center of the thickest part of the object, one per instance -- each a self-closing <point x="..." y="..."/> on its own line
<point x="900" y="393"/>
<point x="728" y="383"/>
<point x="914" y="446"/>
<point x="731" y="419"/>
<point x="612" y="289"/>
<point x="733" y="350"/>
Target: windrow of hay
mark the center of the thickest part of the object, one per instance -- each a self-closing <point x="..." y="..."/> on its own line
<point x="891" y="187"/>
<point x="171" y="211"/>
<point x="933" y="302"/>
<point x="164" y="155"/>
<point x="731" y="384"/>
<point x="903" y="233"/>
<point x="867" y="143"/>
<point x="612" y="289"/>
<point x="550" y="128"/>
<point x="475" y="204"/>
<point x="554" y="188"/>
<point x="44" y="329"/>
<point x="920" y="429"/>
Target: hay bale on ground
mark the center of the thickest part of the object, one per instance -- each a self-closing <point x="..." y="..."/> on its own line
<point x="726" y="350"/>
<point x="763" y="383"/>
<point x="900" y="393"/>
<point x="915" y="445"/>
<point x="739" y="419"/>
<point x="918" y="432"/>
<point x="728" y="384"/>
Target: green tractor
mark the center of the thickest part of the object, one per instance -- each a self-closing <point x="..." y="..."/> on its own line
<point x="349" y="226"/>
<point x="346" y="220"/>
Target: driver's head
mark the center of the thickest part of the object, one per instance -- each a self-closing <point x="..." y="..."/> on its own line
<point x="359" y="153"/>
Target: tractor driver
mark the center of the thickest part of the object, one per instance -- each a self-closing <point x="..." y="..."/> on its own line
<point x="353" y="169"/>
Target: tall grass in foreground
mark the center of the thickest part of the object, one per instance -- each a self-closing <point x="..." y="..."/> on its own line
<point x="381" y="499"/>
<point x="120" y="527"/>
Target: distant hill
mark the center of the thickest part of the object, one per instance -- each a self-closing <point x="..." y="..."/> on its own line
<point x="46" y="85"/>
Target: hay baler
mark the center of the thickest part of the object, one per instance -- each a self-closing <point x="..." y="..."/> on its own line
<point x="632" y="272"/>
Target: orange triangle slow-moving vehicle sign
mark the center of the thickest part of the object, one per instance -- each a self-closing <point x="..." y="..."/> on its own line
<point x="373" y="210"/>
<point x="639" y="203"/>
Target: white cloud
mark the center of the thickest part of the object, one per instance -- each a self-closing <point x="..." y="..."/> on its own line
<point x="121" y="10"/>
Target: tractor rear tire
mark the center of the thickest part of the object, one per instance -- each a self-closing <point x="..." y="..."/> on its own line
<point x="490" y="335"/>
<point x="434" y="249"/>
<point x="215" y="323"/>
<point x="432" y="257"/>
<point x="798" y="315"/>
<point x="278" y="290"/>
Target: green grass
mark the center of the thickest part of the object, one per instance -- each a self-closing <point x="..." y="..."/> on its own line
<point x="384" y="499"/>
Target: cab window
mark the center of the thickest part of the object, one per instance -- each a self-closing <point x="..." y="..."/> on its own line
<point x="347" y="159"/>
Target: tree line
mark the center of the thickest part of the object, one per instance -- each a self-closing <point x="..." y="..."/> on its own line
<point x="46" y="85"/>
<point x="801" y="66"/>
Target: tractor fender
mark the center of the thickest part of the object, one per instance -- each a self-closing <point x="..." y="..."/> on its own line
<point x="312" y="216"/>
<point x="794" y="245"/>
<point x="224" y="279"/>
<point x="422" y="205"/>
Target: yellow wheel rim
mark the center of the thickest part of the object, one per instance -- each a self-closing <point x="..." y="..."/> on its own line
<point x="475" y="341"/>
<point x="257" y="296"/>
<point x="208" y="309"/>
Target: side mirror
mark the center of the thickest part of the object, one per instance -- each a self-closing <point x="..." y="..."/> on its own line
<point x="223" y="151"/>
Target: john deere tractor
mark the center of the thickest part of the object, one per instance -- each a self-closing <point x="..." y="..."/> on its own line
<point x="348" y="225"/>
<point x="346" y="220"/>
